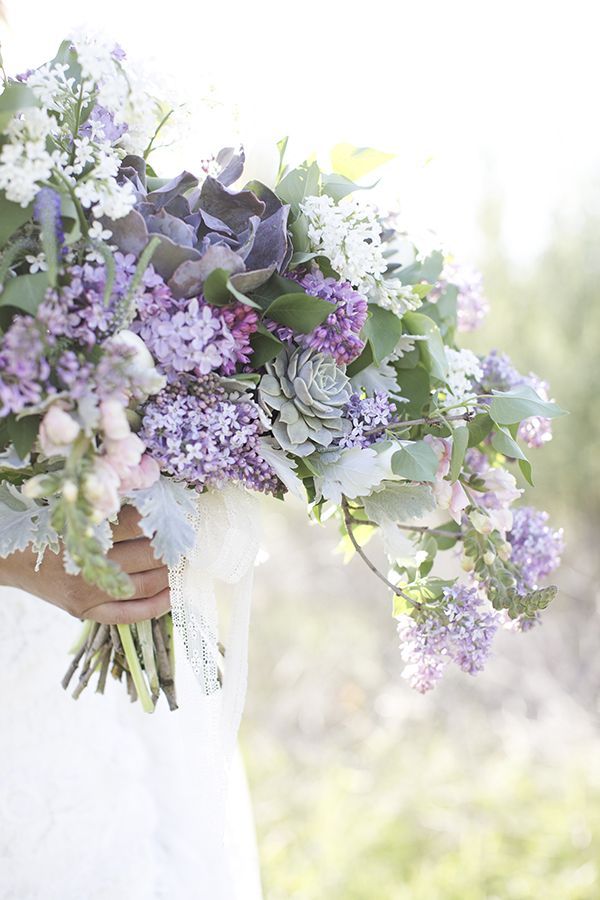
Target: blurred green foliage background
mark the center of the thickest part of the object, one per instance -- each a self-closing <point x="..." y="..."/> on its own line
<point x="488" y="788"/>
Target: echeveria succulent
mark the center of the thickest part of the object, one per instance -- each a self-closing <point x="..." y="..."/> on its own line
<point x="308" y="392"/>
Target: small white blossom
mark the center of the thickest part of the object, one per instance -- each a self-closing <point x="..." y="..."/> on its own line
<point x="464" y="369"/>
<point x="25" y="161"/>
<point x="37" y="263"/>
<point x="97" y="232"/>
<point x="349" y="235"/>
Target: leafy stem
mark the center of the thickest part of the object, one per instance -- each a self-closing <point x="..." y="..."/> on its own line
<point x="350" y="522"/>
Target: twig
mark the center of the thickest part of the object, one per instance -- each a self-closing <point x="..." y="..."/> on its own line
<point x="350" y="523"/>
<point x="426" y="420"/>
<point x="104" y="666"/>
<point x="422" y="529"/>
<point x="164" y="665"/>
<point x="73" y="667"/>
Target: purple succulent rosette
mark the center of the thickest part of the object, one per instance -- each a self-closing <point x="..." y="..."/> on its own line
<point x="163" y="338"/>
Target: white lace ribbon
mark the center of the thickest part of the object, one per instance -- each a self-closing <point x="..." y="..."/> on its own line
<point x="227" y="526"/>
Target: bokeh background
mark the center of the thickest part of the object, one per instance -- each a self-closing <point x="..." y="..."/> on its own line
<point x="489" y="788"/>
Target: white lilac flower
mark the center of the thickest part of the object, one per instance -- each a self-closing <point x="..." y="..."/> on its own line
<point x="25" y="160"/>
<point x="37" y="263"/>
<point x="53" y="88"/>
<point x="348" y="234"/>
<point x="121" y="88"/>
<point x="464" y="370"/>
<point x="391" y="294"/>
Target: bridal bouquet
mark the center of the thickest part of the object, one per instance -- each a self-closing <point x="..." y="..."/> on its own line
<point x="163" y="338"/>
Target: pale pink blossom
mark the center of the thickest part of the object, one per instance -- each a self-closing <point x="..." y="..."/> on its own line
<point x="124" y="454"/>
<point x="101" y="488"/>
<point x="448" y="495"/>
<point x="144" y="475"/>
<point x="113" y="420"/>
<point x="58" y="430"/>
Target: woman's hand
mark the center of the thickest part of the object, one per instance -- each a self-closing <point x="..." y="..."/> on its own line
<point x="131" y="551"/>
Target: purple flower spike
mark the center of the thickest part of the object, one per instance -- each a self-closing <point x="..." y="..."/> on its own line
<point x="47" y="213"/>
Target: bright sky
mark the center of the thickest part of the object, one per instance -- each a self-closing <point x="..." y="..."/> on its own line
<point x="471" y="96"/>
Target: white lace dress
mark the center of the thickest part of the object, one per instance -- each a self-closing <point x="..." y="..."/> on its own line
<point x="99" y="801"/>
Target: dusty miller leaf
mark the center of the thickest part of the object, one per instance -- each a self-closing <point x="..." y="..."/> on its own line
<point x="164" y="509"/>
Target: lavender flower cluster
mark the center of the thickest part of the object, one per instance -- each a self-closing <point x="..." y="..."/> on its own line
<point x="536" y="547"/>
<point x="191" y="336"/>
<point x="499" y="374"/>
<point x="369" y="417"/>
<point x="471" y="303"/>
<point x="461" y="633"/>
<point x="199" y="433"/>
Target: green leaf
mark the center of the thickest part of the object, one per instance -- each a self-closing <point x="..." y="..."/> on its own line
<point x="15" y="97"/>
<point x="355" y="162"/>
<point x="220" y="290"/>
<point x="361" y="362"/>
<point x="338" y="186"/>
<point x="23" y="433"/>
<point x="504" y="443"/>
<point x="265" y="346"/>
<point x="299" y="311"/>
<point x="460" y="440"/>
<point x="12" y="217"/>
<point x="215" y="288"/>
<point x="525" y="467"/>
<point x="510" y="407"/>
<point x="399" y="502"/>
<point x="25" y="292"/>
<point x="416" y="461"/>
<point x="241" y="297"/>
<point x="383" y="329"/>
<point x="433" y="355"/>
<point x="444" y="541"/>
<point x="281" y="147"/>
<point x="298" y="184"/>
<point x="414" y="384"/>
<point x="274" y="288"/>
<point x="479" y="428"/>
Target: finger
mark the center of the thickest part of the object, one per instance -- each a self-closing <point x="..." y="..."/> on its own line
<point x="127" y="526"/>
<point x="126" y="612"/>
<point x="150" y="583"/>
<point x="135" y="556"/>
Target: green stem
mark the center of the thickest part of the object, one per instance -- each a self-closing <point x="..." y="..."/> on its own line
<point x="83" y="636"/>
<point x="144" y="633"/>
<point x="159" y="127"/>
<point x="78" y="109"/>
<point x="134" y="668"/>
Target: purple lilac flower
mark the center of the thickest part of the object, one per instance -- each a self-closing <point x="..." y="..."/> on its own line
<point x="197" y="432"/>
<point x="193" y="336"/>
<point x="74" y="373"/>
<point x="536" y="547"/>
<point x="365" y="415"/>
<point x="47" y="211"/>
<point x="78" y="311"/>
<point x="423" y="647"/>
<point x="101" y="124"/>
<point x="499" y="374"/>
<point x="463" y="635"/>
<point x="24" y="369"/>
<point x="338" y="335"/>
<point x="472" y="306"/>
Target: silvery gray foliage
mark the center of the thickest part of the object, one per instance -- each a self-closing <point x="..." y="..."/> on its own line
<point x="22" y="522"/>
<point x="165" y="508"/>
<point x="308" y="392"/>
